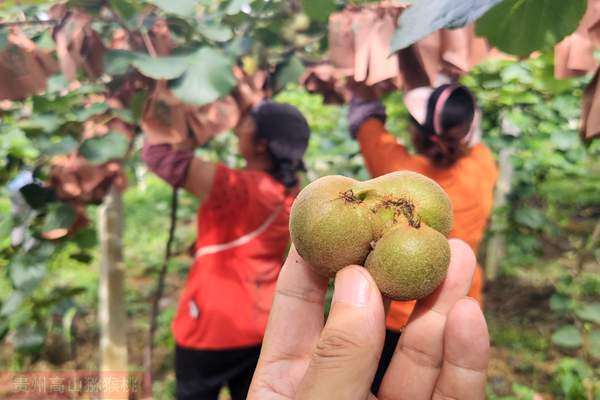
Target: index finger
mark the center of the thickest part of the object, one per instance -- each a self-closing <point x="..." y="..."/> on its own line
<point x="296" y="318"/>
<point x="294" y="328"/>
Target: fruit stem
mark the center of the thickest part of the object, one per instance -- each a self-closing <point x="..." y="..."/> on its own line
<point x="351" y="197"/>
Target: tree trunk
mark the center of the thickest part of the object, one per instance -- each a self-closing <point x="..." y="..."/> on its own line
<point x="496" y="247"/>
<point x="112" y="312"/>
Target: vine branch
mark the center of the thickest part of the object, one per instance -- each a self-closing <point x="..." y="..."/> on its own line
<point x="29" y="22"/>
<point x="160" y="287"/>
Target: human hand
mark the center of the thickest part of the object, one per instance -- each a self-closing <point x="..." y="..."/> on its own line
<point x="442" y="353"/>
<point x="362" y="90"/>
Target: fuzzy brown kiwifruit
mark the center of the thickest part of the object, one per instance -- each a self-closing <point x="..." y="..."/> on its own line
<point x="395" y="225"/>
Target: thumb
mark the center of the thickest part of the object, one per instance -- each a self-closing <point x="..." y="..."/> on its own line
<point x="345" y="359"/>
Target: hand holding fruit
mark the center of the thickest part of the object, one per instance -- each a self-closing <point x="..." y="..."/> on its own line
<point x="442" y="353"/>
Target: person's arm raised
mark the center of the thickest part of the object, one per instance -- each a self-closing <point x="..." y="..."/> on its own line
<point x="380" y="149"/>
<point x="177" y="166"/>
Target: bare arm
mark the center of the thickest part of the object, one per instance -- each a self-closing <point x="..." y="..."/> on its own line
<point x="200" y="178"/>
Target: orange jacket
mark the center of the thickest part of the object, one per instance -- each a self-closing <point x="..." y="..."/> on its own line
<point x="469" y="184"/>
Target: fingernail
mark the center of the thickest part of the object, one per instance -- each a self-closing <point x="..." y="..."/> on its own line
<point x="351" y="287"/>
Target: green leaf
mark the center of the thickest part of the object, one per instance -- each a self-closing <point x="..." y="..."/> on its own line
<point x="93" y="110"/>
<point x="11" y="304"/>
<point x="47" y="123"/>
<point x="101" y="149"/>
<point x="523" y="392"/>
<point x="183" y="8"/>
<point x="124" y="8"/>
<point x="45" y="41"/>
<point x="521" y="27"/>
<point x="60" y="293"/>
<point x="64" y="146"/>
<point x="27" y="269"/>
<point x="215" y="32"/>
<point x="8" y="4"/>
<point x="530" y="217"/>
<point x="16" y="143"/>
<point x="569" y="376"/>
<point x="124" y="114"/>
<point x="288" y="72"/>
<point x="59" y="216"/>
<point x="161" y="67"/>
<point x="82" y="257"/>
<point x="594" y="344"/>
<point x="67" y="324"/>
<point x="564" y="141"/>
<point x="137" y="105"/>
<point x="180" y="26"/>
<point x="567" y="336"/>
<point x="118" y="62"/>
<point x="236" y="6"/>
<point x="319" y="10"/>
<point x="57" y="83"/>
<point x="208" y="77"/>
<point x="86" y="238"/>
<point x="6" y="223"/>
<point x="589" y="312"/>
<point x="28" y="339"/>
<point x="561" y="303"/>
<point x="91" y="6"/>
<point x="427" y="16"/>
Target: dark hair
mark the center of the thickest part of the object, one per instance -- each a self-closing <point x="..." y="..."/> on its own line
<point x="445" y="147"/>
<point x="286" y="132"/>
<point x="286" y="171"/>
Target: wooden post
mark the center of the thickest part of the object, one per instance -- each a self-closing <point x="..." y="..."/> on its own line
<point x="496" y="247"/>
<point x="112" y="313"/>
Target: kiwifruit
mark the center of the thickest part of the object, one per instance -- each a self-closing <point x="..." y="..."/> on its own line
<point x="395" y="225"/>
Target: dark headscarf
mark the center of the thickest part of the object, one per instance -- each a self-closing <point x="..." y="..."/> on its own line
<point x="287" y="133"/>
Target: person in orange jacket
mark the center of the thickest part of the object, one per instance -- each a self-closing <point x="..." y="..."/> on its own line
<point x="445" y="132"/>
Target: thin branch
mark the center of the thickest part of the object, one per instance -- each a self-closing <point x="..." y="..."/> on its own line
<point x="148" y="44"/>
<point x="29" y="22"/>
<point x="148" y="353"/>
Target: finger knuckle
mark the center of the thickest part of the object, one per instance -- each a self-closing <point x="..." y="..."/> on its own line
<point x="336" y="346"/>
<point x="422" y="357"/>
<point x="438" y="394"/>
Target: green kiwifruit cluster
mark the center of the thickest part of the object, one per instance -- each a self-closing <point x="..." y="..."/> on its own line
<point x="395" y="225"/>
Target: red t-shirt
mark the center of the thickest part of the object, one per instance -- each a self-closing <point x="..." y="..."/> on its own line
<point x="242" y="239"/>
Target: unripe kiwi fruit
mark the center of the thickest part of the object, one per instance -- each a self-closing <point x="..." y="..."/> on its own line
<point x="395" y="225"/>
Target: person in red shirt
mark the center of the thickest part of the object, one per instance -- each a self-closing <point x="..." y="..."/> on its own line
<point x="243" y="237"/>
<point x="445" y="133"/>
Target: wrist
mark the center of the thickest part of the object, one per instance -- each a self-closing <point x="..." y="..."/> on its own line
<point x="361" y="111"/>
